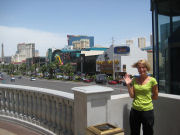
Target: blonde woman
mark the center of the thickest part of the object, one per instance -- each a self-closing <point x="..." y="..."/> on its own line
<point x="143" y="90"/>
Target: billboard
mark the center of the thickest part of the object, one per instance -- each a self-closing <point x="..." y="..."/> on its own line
<point x="122" y="50"/>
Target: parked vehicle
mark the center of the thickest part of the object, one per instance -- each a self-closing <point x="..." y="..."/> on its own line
<point x="12" y="79"/>
<point x="112" y="82"/>
<point x="101" y="78"/>
<point x="88" y="80"/>
<point x="33" y="79"/>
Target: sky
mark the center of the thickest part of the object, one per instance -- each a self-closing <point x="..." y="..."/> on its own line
<point x="48" y="22"/>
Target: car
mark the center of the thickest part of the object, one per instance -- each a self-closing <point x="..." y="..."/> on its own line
<point x="12" y="79"/>
<point x="1" y="78"/>
<point x="19" y="77"/>
<point x="112" y="82"/>
<point x="87" y="80"/>
<point x="33" y="79"/>
<point x="101" y="78"/>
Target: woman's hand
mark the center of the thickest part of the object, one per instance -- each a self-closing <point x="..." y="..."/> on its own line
<point x="127" y="79"/>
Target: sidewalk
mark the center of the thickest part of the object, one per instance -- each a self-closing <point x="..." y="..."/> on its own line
<point x="7" y="128"/>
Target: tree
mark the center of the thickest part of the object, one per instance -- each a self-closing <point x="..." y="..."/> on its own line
<point x="51" y="69"/>
<point x="43" y="69"/>
<point x="22" y="68"/>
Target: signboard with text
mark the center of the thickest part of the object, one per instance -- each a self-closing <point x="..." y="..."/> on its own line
<point x="123" y="50"/>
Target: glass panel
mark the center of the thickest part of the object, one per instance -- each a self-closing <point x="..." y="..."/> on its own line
<point x="174" y="41"/>
<point x="154" y="44"/>
<point x="164" y="33"/>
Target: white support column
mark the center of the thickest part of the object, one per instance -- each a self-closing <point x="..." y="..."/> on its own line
<point x="53" y="113"/>
<point x="90" y="106"/>
<point x="7" y="101"/>
<point x="21" y="104"/>
<point x="25" y="98"/>
<point x="39" y="108"/>
<point x="59" y="116"/>
<point x="44" y="121"/>
<point x="16" y="103"/>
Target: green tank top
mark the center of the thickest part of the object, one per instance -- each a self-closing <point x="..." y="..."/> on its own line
<point x="143" y="95"/>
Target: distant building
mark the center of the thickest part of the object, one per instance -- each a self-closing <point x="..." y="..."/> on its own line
<point x="2" y="54"/>
<point x="79" y="41"/>
<point x="83" y="43"/>
<point x="24" y="51"/>
<point x="141" y="42"/>
<point x="36" y="53"/>
<point x="124" y="58"/>
<point x="83" y="60"/>
<point x="7" y="59"/>
<point x="129" y="42"/>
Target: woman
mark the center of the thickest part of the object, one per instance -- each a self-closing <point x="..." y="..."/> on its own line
<point x="143" y="89"/>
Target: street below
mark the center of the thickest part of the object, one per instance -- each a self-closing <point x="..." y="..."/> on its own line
<point x="60" y="85"/>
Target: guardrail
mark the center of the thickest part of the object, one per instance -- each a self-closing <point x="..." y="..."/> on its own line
<point x="38" y="107"/>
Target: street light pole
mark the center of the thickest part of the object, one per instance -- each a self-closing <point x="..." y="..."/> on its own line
<point x="113" y="58"/>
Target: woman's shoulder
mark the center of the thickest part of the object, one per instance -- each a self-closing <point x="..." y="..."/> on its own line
<point x="153" y="80"/>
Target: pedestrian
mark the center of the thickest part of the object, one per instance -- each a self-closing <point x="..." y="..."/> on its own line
<point x="143" y="89"/>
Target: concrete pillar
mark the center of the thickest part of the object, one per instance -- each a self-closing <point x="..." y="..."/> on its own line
<point x="90" y="106"/>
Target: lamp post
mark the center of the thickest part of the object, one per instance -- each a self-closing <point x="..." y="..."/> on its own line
<point x="113" y="58"/>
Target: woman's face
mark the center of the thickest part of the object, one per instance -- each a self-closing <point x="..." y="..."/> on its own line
<point x="142" y="69"/>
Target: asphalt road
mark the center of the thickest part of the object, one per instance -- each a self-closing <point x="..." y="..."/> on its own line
<point x="58" y="84"/>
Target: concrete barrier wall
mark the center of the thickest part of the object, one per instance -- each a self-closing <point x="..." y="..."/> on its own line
<point x="166" y="110"/>
<point x="62" y="113"/>
<point x="38" y="107"/>
<point x="167" y="115"/>
<point x="118" y="111"/>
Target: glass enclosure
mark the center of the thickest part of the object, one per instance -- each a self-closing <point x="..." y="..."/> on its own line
<point x="166" y="45"/>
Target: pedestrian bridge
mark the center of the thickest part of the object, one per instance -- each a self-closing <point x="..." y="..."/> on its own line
<point x="52" y="112"/>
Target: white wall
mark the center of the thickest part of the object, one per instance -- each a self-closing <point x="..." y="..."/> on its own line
<point x="135" y="55"/>
<point x="128" y="60"/>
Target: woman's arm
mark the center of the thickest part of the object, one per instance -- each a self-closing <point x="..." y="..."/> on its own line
<point x="155" y="92"/>
<point x="130" y="90"/>
<point x="128" y="81"/>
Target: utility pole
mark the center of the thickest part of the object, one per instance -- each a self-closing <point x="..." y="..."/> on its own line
<point x="113" y="58"/>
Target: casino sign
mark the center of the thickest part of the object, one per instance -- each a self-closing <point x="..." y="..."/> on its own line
<point x="122" y="50"/>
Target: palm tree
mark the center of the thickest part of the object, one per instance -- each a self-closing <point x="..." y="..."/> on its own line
<point x="43" y="69"/>
<point x="51" y="69"/>
<point x="68" y="69"/>
<point x="22" y="68"/>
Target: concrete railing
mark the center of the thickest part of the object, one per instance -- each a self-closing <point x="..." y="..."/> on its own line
<point x="166" y="110"/>
<point x="61" y="113"/>
<point x="44" y="110"/>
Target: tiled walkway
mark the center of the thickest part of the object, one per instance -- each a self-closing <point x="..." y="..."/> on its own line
<point x="7" y="128"/>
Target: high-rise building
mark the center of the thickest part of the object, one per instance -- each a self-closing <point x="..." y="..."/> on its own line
<point x="2" y="54"/>
<point x="36" y="53"/>
<point x="129" y="42"/>
<point x="83" y="43"/>
<point x="141" y="42"/>
<point x="24" y="51"/>
<point x="73" y="38"/>
<point x="151" y="40"/>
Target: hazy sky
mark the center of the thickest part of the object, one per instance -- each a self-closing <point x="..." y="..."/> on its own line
<point x="47" y="22"/>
